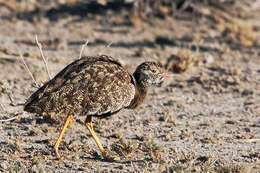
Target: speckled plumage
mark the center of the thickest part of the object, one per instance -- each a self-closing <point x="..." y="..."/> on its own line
<point x="89" y="86"/>
<point x="93" y="86"/>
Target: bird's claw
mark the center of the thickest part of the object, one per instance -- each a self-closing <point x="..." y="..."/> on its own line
<point x="57" y="153"/>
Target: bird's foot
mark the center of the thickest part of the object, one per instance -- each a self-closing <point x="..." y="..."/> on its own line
<point x="57" y="153"/>
<point x="110" y="157"/>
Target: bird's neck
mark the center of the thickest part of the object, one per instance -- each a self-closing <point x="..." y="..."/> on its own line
<point x="140" y="94"/>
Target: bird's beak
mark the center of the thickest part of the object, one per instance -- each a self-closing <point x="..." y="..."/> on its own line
<point x="164" y="75"/>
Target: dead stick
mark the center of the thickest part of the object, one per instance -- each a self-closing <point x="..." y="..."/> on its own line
<point x="82" y="48"/>
<point x="13" y="118"/>
<point x="109" y="44"/>
<point x="44" y="60"/>
<point x="21" y="56"/>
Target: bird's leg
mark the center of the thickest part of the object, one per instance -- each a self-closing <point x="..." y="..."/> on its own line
<point x="89" y="125"/>
<point x="56" y="147"/>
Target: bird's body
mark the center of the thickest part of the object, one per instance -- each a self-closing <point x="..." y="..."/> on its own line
<point x="92" y="86"/>
<point x="89" y="86"/>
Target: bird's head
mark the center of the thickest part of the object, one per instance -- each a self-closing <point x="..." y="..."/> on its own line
<point x="149" y="73"/>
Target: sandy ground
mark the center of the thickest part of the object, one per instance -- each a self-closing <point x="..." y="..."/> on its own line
<point x="197" y="121"/>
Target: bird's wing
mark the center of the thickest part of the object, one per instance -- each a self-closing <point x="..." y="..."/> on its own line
<point x="108" y="89"/>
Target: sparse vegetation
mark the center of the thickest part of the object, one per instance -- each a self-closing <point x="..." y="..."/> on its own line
<point x="190" y="163"/>
<point x="204" y="118"/>
<point x="124" y="148"/>
<point x="153" y="149"/>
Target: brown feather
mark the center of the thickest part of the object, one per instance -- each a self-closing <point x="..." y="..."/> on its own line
<point x="94" y="85"/>
<point x="90" y="86"/>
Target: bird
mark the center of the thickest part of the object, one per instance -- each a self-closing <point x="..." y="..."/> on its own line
<point x="93" y="86"/>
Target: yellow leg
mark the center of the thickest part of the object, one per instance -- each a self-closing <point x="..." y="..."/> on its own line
<point x="56" y="147"/>
<point x="92" y="132"/>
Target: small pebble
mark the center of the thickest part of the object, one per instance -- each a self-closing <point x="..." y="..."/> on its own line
<point x="3" y="165"/>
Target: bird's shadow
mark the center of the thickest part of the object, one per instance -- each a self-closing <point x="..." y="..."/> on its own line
<point x="100" y="159"/>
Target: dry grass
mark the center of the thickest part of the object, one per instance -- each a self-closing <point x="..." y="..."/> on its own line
<point x="182" y="61"/>
<point x="190" y="163"/>
<point x="153" y="149"/>
<point x="124" y="148"/>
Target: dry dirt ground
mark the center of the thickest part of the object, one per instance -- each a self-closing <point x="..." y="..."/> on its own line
<point x="204" y="119"/>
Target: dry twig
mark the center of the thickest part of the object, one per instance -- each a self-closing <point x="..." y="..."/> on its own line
<point x="21" y="56"/>
<point x="9" y="58"/>
<point x="9" y="93"/>
<point x="2" y="107"/>
<point x="82" y="48"/>
<point x="109" y="44"/>
<point x="41" y="52"/>
<point x="251" y="140"/>
<point x="15" y="117"/>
